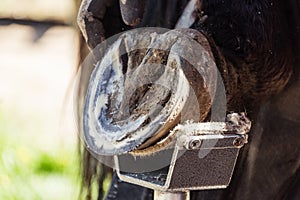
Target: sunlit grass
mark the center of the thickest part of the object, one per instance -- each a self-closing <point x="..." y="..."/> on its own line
<point x="29" y="172"/>
<point x="38" y="156"/>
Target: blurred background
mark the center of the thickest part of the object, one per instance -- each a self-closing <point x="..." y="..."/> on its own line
<point x="38" y="60"/>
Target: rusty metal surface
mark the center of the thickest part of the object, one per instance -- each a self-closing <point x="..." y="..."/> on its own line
<point x="211" y="172"/>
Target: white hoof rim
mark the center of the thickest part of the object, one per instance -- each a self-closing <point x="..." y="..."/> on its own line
<point x="144" y="86"/>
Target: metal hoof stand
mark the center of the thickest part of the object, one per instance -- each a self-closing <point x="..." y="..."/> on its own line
<point x="141" y="111"/>
<point x="202" y="158"/>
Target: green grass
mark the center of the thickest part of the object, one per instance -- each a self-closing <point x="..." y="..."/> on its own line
<point x="29" y="172"/>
